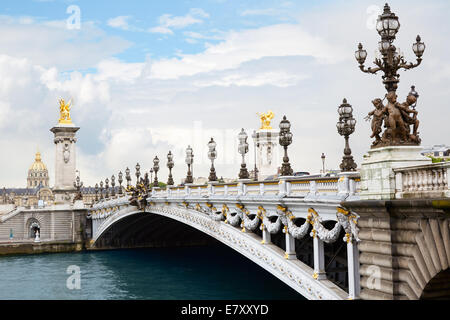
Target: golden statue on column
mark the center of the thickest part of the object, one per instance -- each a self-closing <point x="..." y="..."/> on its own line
<point x="265" y="120"/>
<point x="64" y="109"/>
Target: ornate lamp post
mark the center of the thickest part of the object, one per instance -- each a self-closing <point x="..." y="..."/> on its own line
<point x="138" y="174"/>
<point x="113" y="185"/>
<point x="151" y="176"/>
<point x="345" y="127"/>
<point x="107" y="188"/>
<point x="189" y="162"/>
<point x="156" y="169"/>
<point x="255" y="146"/>
<point x="120" y="182"/>
<point x="170" y="165"/>
<point x="96" y="192"/>
<point x="212" y="155"/>
<point x="78" y="184"/>
<point x="391" y="61"/>
<point x="323" y="163"/>
<point x="285" y="141"/>
<point x="101" y="190"/>
<point x="128" y="177"/>
<point x="243" y="149"/>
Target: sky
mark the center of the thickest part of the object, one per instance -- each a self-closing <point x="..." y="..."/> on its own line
<point x="147" y="77"/>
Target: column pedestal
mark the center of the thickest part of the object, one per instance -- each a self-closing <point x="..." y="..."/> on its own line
<point x="65" y="162"/>
<point x="377" y="175"/>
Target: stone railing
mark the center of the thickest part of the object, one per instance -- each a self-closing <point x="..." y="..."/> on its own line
<point x="345" y="184"/>
<point x="425" y="181"/>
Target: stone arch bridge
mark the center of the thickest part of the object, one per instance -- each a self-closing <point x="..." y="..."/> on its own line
<point x="316" y="235"/>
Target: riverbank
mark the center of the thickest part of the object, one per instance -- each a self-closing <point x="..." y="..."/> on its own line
<point x="18" y="248"/>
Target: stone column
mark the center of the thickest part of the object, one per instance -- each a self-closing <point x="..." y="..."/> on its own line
<point x="65" y="162"/>
<point x="290" y="246"/>
<point x="266" y="236"/>
<point x="319" y="259"/>
<point x="353" y="269"/>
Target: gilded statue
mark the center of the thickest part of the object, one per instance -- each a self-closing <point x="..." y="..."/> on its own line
<point x="64" y="109"/>
<point x="266" y="118"/>
<point x="397" y="120"/>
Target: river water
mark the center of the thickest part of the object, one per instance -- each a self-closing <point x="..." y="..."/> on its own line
<point x="203" y="273"/>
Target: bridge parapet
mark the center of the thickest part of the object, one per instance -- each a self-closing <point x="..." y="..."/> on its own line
<point x="343" y="186"/>
<point x="424" y="181"/>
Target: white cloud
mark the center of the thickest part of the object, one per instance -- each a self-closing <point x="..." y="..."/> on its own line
<point x="168" y="21"/>
<point x="120" y="22"/>
<point x="252" y="44"/>
<point x="50" y="43"/>
<point x="160" y="29"/>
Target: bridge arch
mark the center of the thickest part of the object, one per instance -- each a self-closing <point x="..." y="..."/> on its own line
<point x="294" y="273"/>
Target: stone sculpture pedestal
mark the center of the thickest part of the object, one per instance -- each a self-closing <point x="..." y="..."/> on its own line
<point x="377" y="175"/>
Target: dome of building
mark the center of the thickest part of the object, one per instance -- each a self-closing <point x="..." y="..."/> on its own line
<point x="38" y="165"/>
<point x="38" y="173"/>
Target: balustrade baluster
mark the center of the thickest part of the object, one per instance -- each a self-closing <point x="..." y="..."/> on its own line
<point x="405" y="178"/>
<point x="440" y="179"/>
<point x="429" y="180"/>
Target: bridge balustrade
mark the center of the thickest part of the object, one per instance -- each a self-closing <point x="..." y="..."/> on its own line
<point x="424" y="181"/>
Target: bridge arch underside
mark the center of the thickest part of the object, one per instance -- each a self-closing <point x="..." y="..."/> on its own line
<point x="151" y="230"/>
<point x="438" y="288"/>
<point x="145" y="229"/>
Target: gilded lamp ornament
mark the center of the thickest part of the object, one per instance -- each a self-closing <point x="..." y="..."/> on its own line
<point x="64" y="110"/>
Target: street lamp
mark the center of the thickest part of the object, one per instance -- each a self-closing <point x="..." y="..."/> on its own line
<point x="212" y="155"/>
<point x="101" y="190"/>
<point x="107" y="188"/>
<point x="391" y="61"/>
<point x="113" y="185"/>
<point x="243" y="149"/>
<point x="156" y="169"/>
<point x="128" y="177"/>
<point x="189" y="162"/>
<point x="255" y="146"/>
<point x="120" y="182"/>
<point x="170" y="165"/>
<point x="96" y="192"/>
<point x="151" y="175"/>
<point x="138" y="174"/>
<point x="323" y="163"/>
<point x="78" y="184"/>
<point x="285" y="141"/>
<point x="345" y="127"/>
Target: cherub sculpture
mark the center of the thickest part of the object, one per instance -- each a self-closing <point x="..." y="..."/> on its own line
<point x="410" y="120"/>
<point x="379" y="114"/>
